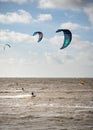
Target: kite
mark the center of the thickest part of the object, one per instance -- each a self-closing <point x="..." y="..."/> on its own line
<point x="6" y="45"/>
<point x="40" y="34"/>
<point x="67" y="37"/>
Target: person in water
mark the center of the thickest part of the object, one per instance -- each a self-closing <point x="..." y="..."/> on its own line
<point x="23" y="89"/>
<point x="33" y="94"/>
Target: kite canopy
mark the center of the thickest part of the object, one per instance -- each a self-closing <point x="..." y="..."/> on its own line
<point x="6" y="45"/>
<point x="40" y="34"/>
<point x="67" y="37"/>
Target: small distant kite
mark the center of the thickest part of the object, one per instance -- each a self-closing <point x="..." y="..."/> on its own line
<point x="67" y="37"/>
<point x="6" y="45"/>
<point x="40" y="34"/>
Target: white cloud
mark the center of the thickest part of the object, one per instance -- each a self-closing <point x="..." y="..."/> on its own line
<point x="44" y="17"/>
<point x="83" y="5"/>
<point x="58" y="57"/>
<point x="56" y="39"/>
<point x="16" y="37"/>
<point x="83" y="50"/>
<point x="75" y="60"/>
<point x="89" y="11"/>
<point x="21" y="16"/>
<point x="73" y="26"/>
<point x="54" y="58"/>
<point x="63" y="4"/>
<point x="11" y="66"/>
<point x="15" y="1"/>
<point x="74" y="53"/>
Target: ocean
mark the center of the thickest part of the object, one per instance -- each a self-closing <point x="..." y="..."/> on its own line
<point x="56" y="104"/>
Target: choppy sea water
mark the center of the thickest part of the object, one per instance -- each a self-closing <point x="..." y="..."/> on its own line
<point x="59" y="104"/>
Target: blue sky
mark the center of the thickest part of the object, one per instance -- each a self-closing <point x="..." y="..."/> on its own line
<point x="27" y="58"/>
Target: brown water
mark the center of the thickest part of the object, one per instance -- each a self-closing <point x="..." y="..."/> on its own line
<point x="59" y="104"/>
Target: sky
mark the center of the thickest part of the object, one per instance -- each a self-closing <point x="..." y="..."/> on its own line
<point x="19" y="19"/>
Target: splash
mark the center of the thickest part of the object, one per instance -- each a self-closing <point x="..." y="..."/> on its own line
<point x="15" y="96"/>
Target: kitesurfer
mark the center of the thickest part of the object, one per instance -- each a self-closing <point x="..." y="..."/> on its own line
<point x="33" y="94"/>
<point x="23" y="89"/>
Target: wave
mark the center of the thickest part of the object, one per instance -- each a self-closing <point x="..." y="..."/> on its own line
<point x="15" y="96"/>
<point x="63" y="106"/>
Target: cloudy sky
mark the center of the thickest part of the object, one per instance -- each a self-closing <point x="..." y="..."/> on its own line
<point x="19" y="19"/>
